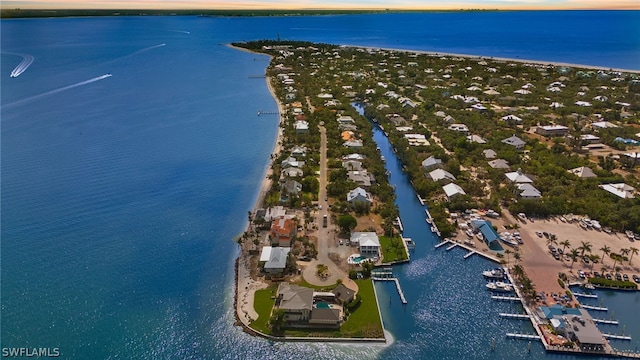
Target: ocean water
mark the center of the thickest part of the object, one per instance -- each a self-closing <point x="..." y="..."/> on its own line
<point x="131" y="152"/>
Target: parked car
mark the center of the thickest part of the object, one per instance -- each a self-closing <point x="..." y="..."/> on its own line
<point x="539" y="233"/>
<point x="585" y="259"/>
<point x="596" y="274"/>
<point x="581" y="274"/>
<point x="560" y="251"/>
<point x="608" y="276"/>
<point x="636" y="278"/>
<point x="618" y="277"/>
<point x="625" y="277"/>
<point x="556" y="256"/>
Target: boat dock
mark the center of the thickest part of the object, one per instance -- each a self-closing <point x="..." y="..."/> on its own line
<point x="590" y="296"/>
<point x="603" y="321"/>
<point x="400" y="224"/>
<point x="420" y="199"/>
<point x="451" y="246"/>
<point x="596" y="308"/>
<point x="523" y="336"/>
<point x="262" y="112"/>
<point x="442" y="243"/>
<point x="506" y="298"/>
<point x="515" y="316"/>
<point x="617" y="337"/>
<point x="469" y="254"/>
<point x="400" y="292"/>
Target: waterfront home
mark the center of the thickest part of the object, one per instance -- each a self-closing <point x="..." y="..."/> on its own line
<point x="453" y="190"/>
<point x="291" y="172"/>
<point x="552" y="130"/>
<point x="361" y="177"/>
<point x="583" y="172"/>
<point x="349" y="127"/>
<point x="292" y="162"/>
<point x="283" y="230"/>
<point x="347" y="135"/>
<point x="343" y="294"/>
<point x="620" y="190"/>
<point x="298" y="151"/>
<point x="359" y="195"/>
<point x="514" y="141"/>
<point x="273" y="213"/>
<point x="345" y="119"/>
<point x="275" y="259"/>
<point x="431" y="162"/>
<point x="489" y="234"/>
<point x="368" y="243"/>
<point x="354" y="157"/>
<point x="499" y="164"/>
<point x="440" y="174"/>
<point x="575" y="324"/>
<point x="303" y="307"/>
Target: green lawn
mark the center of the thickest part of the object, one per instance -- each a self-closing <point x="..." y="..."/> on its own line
<point x="392" y="249"/>
<point x="365" y="320"/>
<point x="263" y="303"/>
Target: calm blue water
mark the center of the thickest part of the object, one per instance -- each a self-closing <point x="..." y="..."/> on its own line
<point x="121" y="195"/>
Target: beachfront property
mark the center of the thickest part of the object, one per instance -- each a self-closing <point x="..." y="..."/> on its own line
<point x="282" y="232"/>
<point x="274" y="259"/>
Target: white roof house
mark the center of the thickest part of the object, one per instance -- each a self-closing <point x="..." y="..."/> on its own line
<point x="440" y="174"/>
<point x="603" y="125"/>
<point x="476" y="139"/>
<point x="489" y="154"/>
<point x="583" y="172"/>
<point x="353" y="143"/>
<point x="527" y="191"/>
<point x="515" y="142"/>
<point x="301" y="126"/>
<point x="368" y="242"/>
<point x="431" y="162"/>
<point x="518" y="177"/>
<point x="417" y="139"/>
<point x="459" y="127"/>
<point x="359" y="195"/>
<point x="277" y="259"/>
<point x="511" y="118"/>
<point x="621" y="190"/>
<point x="366" y="237"/>
<point x="353" y="157"/>
<point x="499" y="164"/>
<point x="452" y="190"/>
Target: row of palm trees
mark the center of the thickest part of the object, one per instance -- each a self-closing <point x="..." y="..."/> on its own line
<point x="587" y="247"/>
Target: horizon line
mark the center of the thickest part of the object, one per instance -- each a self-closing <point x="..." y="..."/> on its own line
<point x="513" y="8"/>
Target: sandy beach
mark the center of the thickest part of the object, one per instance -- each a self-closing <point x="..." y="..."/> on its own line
<point x="246" y="286"/>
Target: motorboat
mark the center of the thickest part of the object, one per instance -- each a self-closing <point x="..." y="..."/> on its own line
<point x="496" y="273"/>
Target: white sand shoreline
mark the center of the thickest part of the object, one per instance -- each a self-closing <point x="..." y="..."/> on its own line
<point x="493" y="58"/>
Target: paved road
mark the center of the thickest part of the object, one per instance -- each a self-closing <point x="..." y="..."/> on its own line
<point x="326" y="235"/>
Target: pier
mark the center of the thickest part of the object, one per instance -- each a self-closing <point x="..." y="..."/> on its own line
<point x="617" y="337"/>
<point x="506" y="298"/>
<point x="596" y="308"/>
<point x="468" y="255"/>
<point x="523" y="336"/>
<point x="421" y="200"/>
<point x="400" y="224"/>
<point x="400" y="292"/>
<point x="262" y="112"/>
<point x="590" y="296"/>
<point x="442" y="243"/>
<point x="603" y="321"/>
<point x="451" y="246"/>
<point x="515" y="316"/>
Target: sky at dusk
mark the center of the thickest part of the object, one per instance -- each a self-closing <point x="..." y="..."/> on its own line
<point x="325" y="4"/>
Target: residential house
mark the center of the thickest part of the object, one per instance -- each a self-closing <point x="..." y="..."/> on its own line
<point x="459" y="127"/>
<point x="354" y="157"/>
<point x="291" y="187"/>
<point x="346" y="119"/>
<point x="589" y="138"/>
<point x="634" y="156"/>
<point x="343" y="294"/>
<point x="603" y="125"/>
<point x="361" y="177"/>
<point x="292" y="162"/>
<point x="368" y="243"/>
<point x="620" y="190"/>
<point x="347" y="135"/>
<point x="274" y="212"/>
<point x="515" y="141"/>
<point x="354" y="144"/>
<point x="431" y="162"/>
<point x="283" y="230"/>
<point x="349" y="127"/>
<point x="489" y="154"/>
<point x="298" y="151"/>
<point x="518" y="177"/>
<point x="296" y="302"/>
<point x="416" y="139"/>
<point x="291" y="172"/>
<point x="359" y="195"/>
<point x="476" y="139"/>
<point x="276" y="262"/>
<point x="301" y="127"/>
<point x="499" y="164"/>
<point x="511" y="118"/>
<point x="440" y="174"/>
<point x="552" y="130"/>
<point x="583" y="172"/>
<point x="352" y="165"/>
<point x="452" y="190"/>
<point x="527" y="191"/>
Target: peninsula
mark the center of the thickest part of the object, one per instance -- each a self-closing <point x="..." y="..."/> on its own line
<point x="533" y="165"/>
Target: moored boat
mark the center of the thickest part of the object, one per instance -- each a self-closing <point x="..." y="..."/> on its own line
<point x="496" y="273"/>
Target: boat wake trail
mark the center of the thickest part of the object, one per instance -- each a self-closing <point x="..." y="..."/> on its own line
<point x="147" y="49"/>
<point x="59" y="90"/>
<point x="27" y="60"/>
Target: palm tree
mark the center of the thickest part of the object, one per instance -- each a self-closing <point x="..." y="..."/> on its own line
<point x="551" y="240"/>
<point x="507" y="252"/>
<point x="517" y="256"/>
<point x="574" y="256"/>
<point x="616" y="258"/>
<point x="586" y="246"/>
<point x="594" y="258"/>
<point x="634" y="251"/>
<point x="605" y="251"/>
<point x="565" y="244"/>
<point x="624" y="252"/>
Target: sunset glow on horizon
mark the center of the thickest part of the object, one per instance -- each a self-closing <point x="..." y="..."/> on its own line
<point x="326" y="4"/>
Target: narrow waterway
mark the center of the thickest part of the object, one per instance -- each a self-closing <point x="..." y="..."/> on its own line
<point x="449" y="312"/>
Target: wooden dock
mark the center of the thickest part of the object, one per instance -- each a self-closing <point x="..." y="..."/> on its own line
<point x="400" y="292"/>
<point x="589" y="296"/>
<point x="617" y="337"/>
<point x="596" y="308"/>
<point x="523" y="336"/>
<point x="451" y="246"/>
<point x="506" y="298"/>
<point x="515" y="316"/>
<point x="468" y="255"/>
<point x="442" y="243"/>
<point x="603" y="321"/>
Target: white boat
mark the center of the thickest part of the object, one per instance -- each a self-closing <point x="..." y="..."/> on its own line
<point x="629" y="234"/>
<point x="509" y="241"/>
<point x="499" y="286"/>
<point x="494" y="274"/>
<point x="522" y="216"/>
<point x="480" y="236"/>
<point x="469" y="233"/>
<point x="428" y="220"/>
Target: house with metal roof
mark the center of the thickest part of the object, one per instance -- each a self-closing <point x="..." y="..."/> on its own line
<point x="277" y="259"/>
<point x="359" y="195"/>
<point x="514" y="141"/>
<point x="489" y="234"/>
<point x="431" y="162"/>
